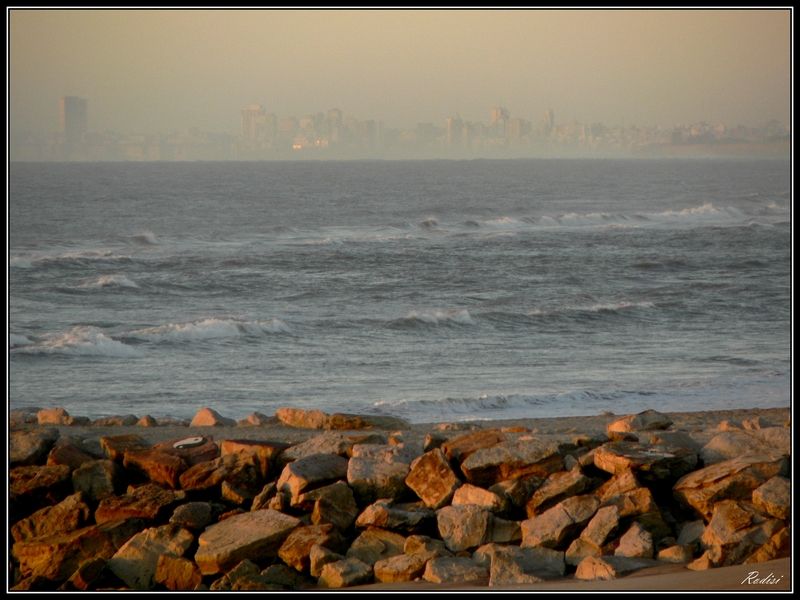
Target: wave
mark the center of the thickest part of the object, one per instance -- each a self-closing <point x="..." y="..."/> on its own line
<point x="208" y="329"/>
<point x="81" y="341"/>
<point x="429" y="223"/>
<point x="604" y="307"/>
<point x="145" y="238"/>
<point x="15" y="340"/>
<point x="67" y="258"/>
<point x="435" y="318"/>
<point x="110" y="281"/>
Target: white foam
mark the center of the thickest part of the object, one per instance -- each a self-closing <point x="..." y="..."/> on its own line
<point x="15" y="340"/>
<point x="210" y="329"/>
<point x="82" y="341"/>
<point x="110" y="281"/>
<point x="614" y="306"/>
<point x="437" y="317"/>
<point x="146" y="237"/>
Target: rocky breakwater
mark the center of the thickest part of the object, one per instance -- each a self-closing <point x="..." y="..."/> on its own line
<point x="365" y="500"/>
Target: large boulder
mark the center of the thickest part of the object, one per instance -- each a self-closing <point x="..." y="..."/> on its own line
<point x="463" y="527"/>
<point x="30" y="447"/>
<point x="191" y="453"/>
<point x="460" y="447"/>
<point x="454" y="569"/>
<point x="512" y="459"/>
<point x="377" y="472"/>
<point x="97" y="479"/>
<point x="115" y="446"/>
<point x="256" y="534"/>
<point x="208" y="417"/>
<point x="68" y="515"/>
<point x="158" y="467"/>
<point x="774" y="497"/>
<point x="69" y="452"/>
<point x="471" y="494"/>
<point x="604" y="522"/>
<point x="240" y="470"/>
<point x="56" y="557"/>
<point x="555" y="488"/>
<point x="651" y="463"/>
<point x="387" y="515"/>
<point x="637" y="542"/>
<point x="177" y="573"/>
<point x="33" y="487"/>
<point x="194" y="516"/>
<point x="296" y="549"/>
<point x="344" y="573"/>
<point x="136" y="561"/>
<point x="647" y="420"/>
<point x="313" y="470"/>
<point x="316" y="419"/>
<point x="553" y="528"/>
<point x="148" y="501"/>
<point x="402" y="567"/>
<point x="514" y="565"/>
<point x="610" y="567"/>
<point x="778" y="546"/>
<point x="330" y="442"/>
<point x="432" y="479"/>
<point x="334" y="503"/>
<point x="733" y="479"/>
<point x="733" y="444"/>
<point x="374" y="544"/>
<point x="736" y="530"/>
<point x="264" y="453"/>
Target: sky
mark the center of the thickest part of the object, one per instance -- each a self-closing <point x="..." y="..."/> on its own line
<point x="154" y="71"/>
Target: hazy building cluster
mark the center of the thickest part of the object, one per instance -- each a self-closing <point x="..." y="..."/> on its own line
<point x="337" y="135"/>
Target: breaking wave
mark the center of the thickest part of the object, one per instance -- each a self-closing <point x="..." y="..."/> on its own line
<point x="81" y="341"/>
<point x="209" y="329"/>
<point x="110" y="281"/>
<point x="435" y="318"/>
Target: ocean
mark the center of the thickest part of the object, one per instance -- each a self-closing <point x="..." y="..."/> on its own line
<point x="430" y="290"/>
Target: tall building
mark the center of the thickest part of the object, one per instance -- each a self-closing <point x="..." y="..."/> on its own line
<point x="73" y="115"/>
<point x="253" y="119"/>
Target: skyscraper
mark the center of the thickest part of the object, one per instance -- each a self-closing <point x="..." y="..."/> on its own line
<point x="73" y="114"/>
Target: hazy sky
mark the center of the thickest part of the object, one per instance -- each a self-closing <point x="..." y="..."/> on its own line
<point x="152" y="71"/>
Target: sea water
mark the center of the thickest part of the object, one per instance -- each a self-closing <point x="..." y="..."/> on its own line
<point x="430" y="290"/>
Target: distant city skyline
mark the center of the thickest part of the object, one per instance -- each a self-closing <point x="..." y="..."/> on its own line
<point x="147" y="71"/>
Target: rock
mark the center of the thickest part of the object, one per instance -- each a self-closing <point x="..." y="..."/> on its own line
<point x="190" y="454"/>
<point x="264" y="453"/>
<point x="610" y="567"/>
<point x="463" y="527"/>
<point x="255" y="419"/>
<point x="310" y="471"/>
<point x="147" y="421"/>
<point x="691" y="533"/>
<point x="332" y="503"/>
<point x="116" y="421"/>
<point x="620" y="483"/>
<point x="136" y="561"/>
<point x="148" y="502"/>
<point x="115" y="446"/>
<point x="432" y="479"/>
<point x="68" y="515"/>
<point x="403" y="567"/>
<point x="344" y="573"/>
<point x="254" y="534"/>
<point x="633" y="503"/>
<point x="97" y="479"/>
<point x="177" y="573"/>
<point x="319" y="556"/>
<point x="316" y="419"/>
<point x="700" y="564"/>
<point x="460" y="447"/>
<point x="433" y="441"/>
<point x="53" y="416"/>
<point x="23" y="416"/>
<point x="158" y="467"/>
<point x="261" y="499"/>
<point x="56" y="557"/>
<point x="296" y="548"/>
<point x="422" y="544"/>
<point x="193" y="515"/>
<point x="375" y="544"/>
<point x="517" y="492"/>
<point x="579" y="549"/>
<point x="470" y="494"/>
<point x="778" y="546"/>
<point x="553" y="527"/>
<point x="236" y="495"/>
<point x="675" y="554"/>
<point x="374" y="478"/>
<point x="208" y="417"/>
<point x="735" y="531"/>
<point x="68" y="452"/>
<point x="33" y="487"/>
<point x="635" y="543"/>
<point x="556" y="487"/>
<point x="669" y="438"/>
<point x="331" y="442"/>
<point x="733" y="444"/>
<point x="602" y="525"/>
<point x="285" y="577"/>
<point x="778" y="439"/>
<point x="387" y="516"/>
<point x="88" y="573"/>
<point x="454" y="570"/>
<point x="511" y="564"/>
<point x="30" y="447"/>
<point x="733" y="479"/>
<point x="647" y="420"/>
<point x="774" y="497"/>
<point x="512" y="459"/>
<point x="239" y="470"/>
<point x="651" y="463"/>
<point x="501" y="530"/>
